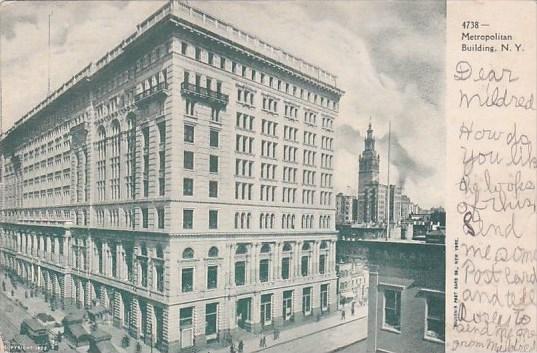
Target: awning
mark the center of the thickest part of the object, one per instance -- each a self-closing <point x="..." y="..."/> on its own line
<point x="78" y="331"/>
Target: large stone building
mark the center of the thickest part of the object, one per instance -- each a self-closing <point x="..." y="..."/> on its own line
<point x="184" y="181"/>
<point x="376" y="201"/>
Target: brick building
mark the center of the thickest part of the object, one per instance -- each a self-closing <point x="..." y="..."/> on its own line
<point x="406" y="296"/>
<point x="184" y="181"/>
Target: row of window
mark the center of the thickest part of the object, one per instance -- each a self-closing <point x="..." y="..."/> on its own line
<point x="266" y="309"/>
<point x="242" y="220"/>
<point x="226" y="64"/>
<point x="241" y="276"/>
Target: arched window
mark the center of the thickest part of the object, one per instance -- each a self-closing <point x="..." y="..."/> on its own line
<point x="101" y="163"/>
<point x="213" y="252"/>
<point x="261" y="220"/>
<point x="287" y="247"/>
<point x="144" y="249"/>
<point x="131" y="151"/>
<point x="248" y="218"/>
<point x="306" y="246"/>
<point x="160" y="252"/>
<point x="241" y="249"/>
<point x="272" y="221"/>
<point x="115" y="144"/>
<point x="265" y="248"/>
<point x="237" y="216"/>
<point x="188" y="253"/>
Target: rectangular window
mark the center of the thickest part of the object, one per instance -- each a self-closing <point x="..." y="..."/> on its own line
<point x="392" y="309"/>
<point x="285" y="268"/>
<point x="213" y="188"/>
<point x="211" y="318"/>
<point x="213" y="219"/>
<point x="324" y="297"/>
<point x="188" y="186"/>
<point x="188" y="219"/>
<point x="322" y="264"/>
<point x="160" y="216"/>
<point x="189" y="133"/>
<point x="264" y="270"/>
<point x="212" y="277"/>
<point x="185" y="317"/>
<point x="145" y="218"/>
<point x="306" y="301"/>
<point x="213" y="164"/>
<point x="287" y="305"/>
<point x="435" y="317"/>
<point x="240" y="273"/>
<point x="187" y="280"/>
<point x="213" y="138"/>
<point x="304" y="264"/>
<point x="188" y="162"/>
<point x="266" y="309"/>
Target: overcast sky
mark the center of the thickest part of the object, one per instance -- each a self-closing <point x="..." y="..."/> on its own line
<point x="388" y="56"/>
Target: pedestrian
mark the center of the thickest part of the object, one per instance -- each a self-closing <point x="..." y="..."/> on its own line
<point x="343" y="314"/>
<point x="352" y="309"/>
<point x="276" y="333"/>
<point x="241" y="346"/>
<point x="232" y="349"/>
<point x="261" y="342"/>
<point x="264" y="341"/>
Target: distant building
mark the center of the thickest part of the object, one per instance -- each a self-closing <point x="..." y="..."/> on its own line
<point x="353" y="281"/>
<point x="406" y="296"/>
<point x="374" y="197"/>
<point x="406" y="207"/>
<point x="346" y="209"/>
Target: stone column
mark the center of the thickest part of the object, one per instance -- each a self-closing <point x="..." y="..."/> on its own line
<point x="119" y="260"/>
<point x="231" y="264"/>
<point x="255" y="263"/>
<point x="298" y="252"/>
<point x="118" y="309"/>
<point x="134" y="326"/>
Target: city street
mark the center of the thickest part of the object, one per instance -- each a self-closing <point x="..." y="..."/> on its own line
<point x="358" y="347"/>
<point x="11" y="319"/>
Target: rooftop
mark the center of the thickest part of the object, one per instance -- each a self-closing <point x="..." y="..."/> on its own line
<point x="195" y="16"/>
<point x="402" y="242"/>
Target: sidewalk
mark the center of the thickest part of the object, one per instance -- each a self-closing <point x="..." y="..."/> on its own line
<point x="334" y="331"/>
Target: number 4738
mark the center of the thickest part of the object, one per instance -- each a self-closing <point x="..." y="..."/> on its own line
<point x="470" y="24"/>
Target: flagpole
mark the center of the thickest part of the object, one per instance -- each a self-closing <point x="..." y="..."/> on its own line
<point x="48" y="88"/>
<point x="389" y="187"/>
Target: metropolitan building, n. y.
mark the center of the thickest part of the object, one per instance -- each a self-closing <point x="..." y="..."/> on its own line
<point x="184" y="182"/>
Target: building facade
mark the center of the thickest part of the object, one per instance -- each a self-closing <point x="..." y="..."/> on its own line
<point x="377" y="203"/>
<point x="353" y="282"/>
<point x="406" y="296"/>
<point x="346" y="209"/>
<point x="184" y="181"/>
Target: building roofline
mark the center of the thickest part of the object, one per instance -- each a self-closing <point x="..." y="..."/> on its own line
<point x="197" y="17"/>
<point x="383" y="242"/>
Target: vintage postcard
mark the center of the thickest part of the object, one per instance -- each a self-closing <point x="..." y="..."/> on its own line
<point x="268" y="176"/>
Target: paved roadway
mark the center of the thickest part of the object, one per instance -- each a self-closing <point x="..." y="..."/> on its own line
<point x="358" y="347"/>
